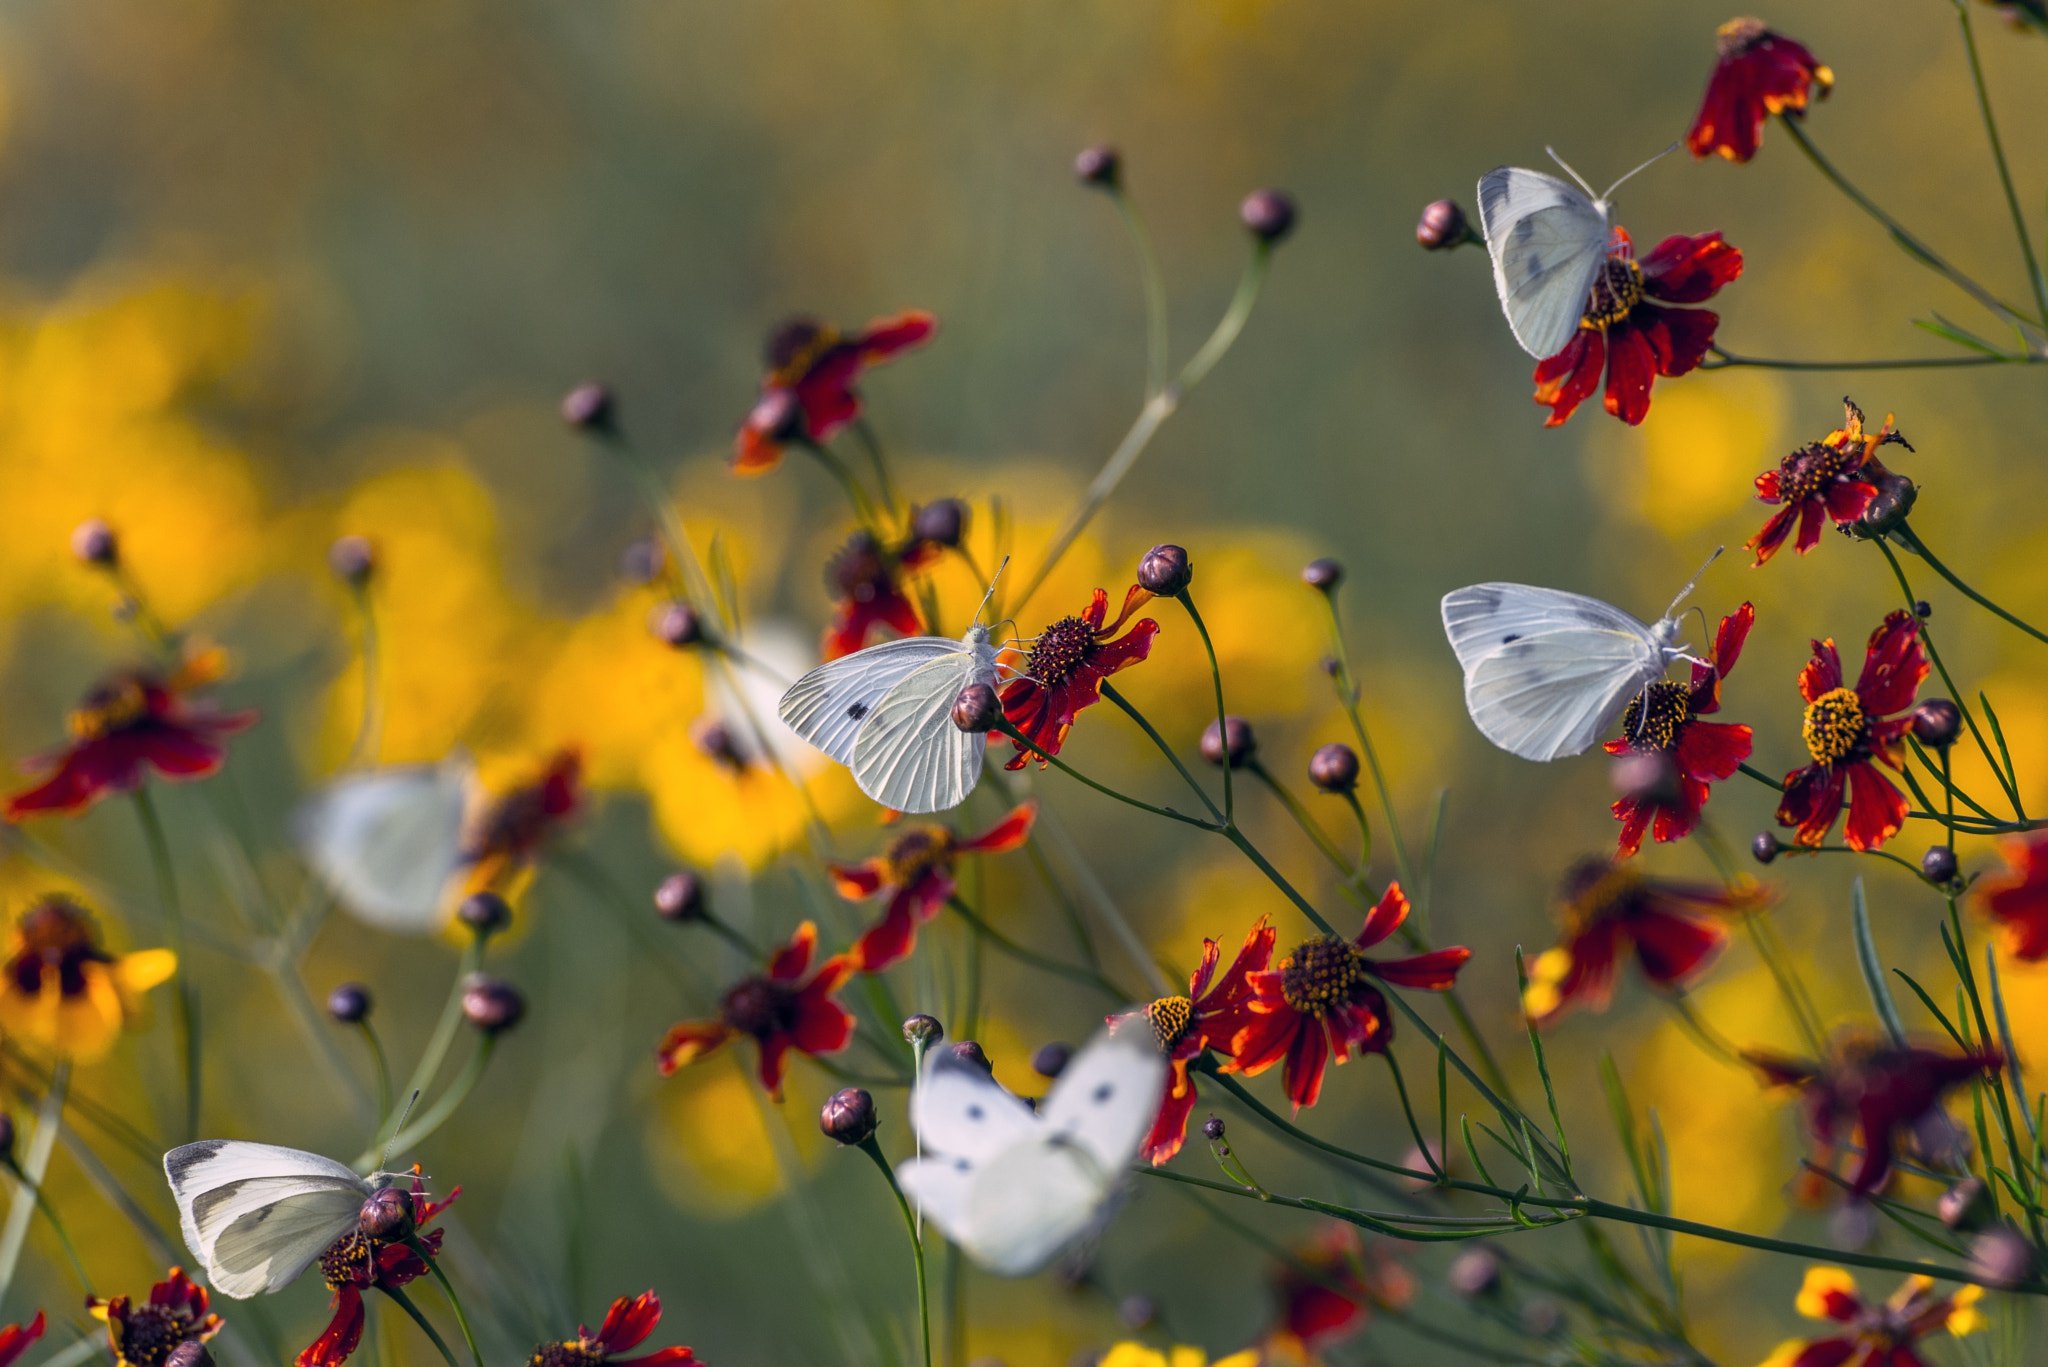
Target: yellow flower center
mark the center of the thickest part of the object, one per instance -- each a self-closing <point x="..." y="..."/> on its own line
<point x="1835" y="725"/>
<point x="577" y="1354"/>
<point x="1616" y="292"/>
<point x="1322" y="975"/>
<point x="917" y="852"/>
<point x="1170" y="1017"/>
<point x="1738" y="35"/>
<point x="1655" y="714"/>
<point x="109" y="708"/>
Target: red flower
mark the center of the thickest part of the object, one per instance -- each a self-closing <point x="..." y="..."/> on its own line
<point x="360" y="1262"/>
<point x="626" y="1325"/>
<point x="1674" y="928"/>
<point x="132" y="723"/>
<point x="501" y="837"/>
<point x="1208" y="1017"/>
<point x="1759" y="73"/>
<point x="816" y="367"/>
<point x="16" y="1340"/>
<point x="781" y="1009"/>
<point x="1870" y="1093"/>
<point x="1320" y="1000"/>
<point x="1833" y="478"/>
<point x="1633" y="339"/>
<point x="917" y="873"/>
<point x="865" y="579"/>
<point x="1846" y="729"/>
<point x="1880" y="1335"/>
<point x="1065" y="670"/>
<point x="1330" y="1290"/>
<point x="1664" y="720"/>
<point x="144" y="1335"/>
<point x="2018" y="898"/>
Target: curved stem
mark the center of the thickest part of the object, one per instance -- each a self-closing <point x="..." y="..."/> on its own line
<point x="454" y="1301"/>
<point x="2012" y="199"/>
<point x="404" y="1302"/>
<point x="1348" y="694"/>
<point x="174" y="931"/>
<point x="1723" y="359"/>
<point x="444" y="1106"/>
<point x="1031" y="747"/>
<point x="924" y="1309"/>
<point x="1910" y="867"/>
<point x="1154" y="285"/>
<point x="1919" y="548"/>
<point x="33" y="1168"/>
<point x="873" y="446"/>
<point x="382" y="1062"/>
<point x="438" y="1043"/>
<point x="1216" y="681"/>
<point x="1072" y="973"/>
<point x="1159" y="743"/>
<point x="34" y="1191"/>
<point x="863" y="508"/>
<point x="370" y="724"/>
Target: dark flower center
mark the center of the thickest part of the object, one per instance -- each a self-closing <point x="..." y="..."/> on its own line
<point x="1062" y="649"/>
<point x="1738" y="36"/>
<point x="149" y="1332"/>
<point x="54" y="936"/>
<point x="1655" y="714"/>
<point x="1322" y="975"/>
<point x="760" y="1007"/>
<point x="795" y="346"/>
<point x="1170" y="1017"/>
<point x="108" y="708"/>
<point x="918" y="852"/>
<point x="1596" y="891"/>
<point x="1616" y="292"/>
<point x="859" y="570"/>
<point x="1807" y="472"/>
<point x="350" y="1260"/>
<point x="580" y="1353"/>
<point x="1835" y="726"/>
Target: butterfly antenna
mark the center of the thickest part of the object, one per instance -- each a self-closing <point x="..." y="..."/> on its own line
<point x="1633" y="174"/>
<point x="397" y="1129"/>
<point x="1693" y="582"/>
<point x="993" y="580"/>
<point x="1574" y="174"/>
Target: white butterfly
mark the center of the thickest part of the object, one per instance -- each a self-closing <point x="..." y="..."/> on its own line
<point x="1013" y="1186"/>
<point x="257" y="1215"/>
<point x="1546" y="672"/>
<point x="387" y="841"/>
<point x="1548" y="240"/>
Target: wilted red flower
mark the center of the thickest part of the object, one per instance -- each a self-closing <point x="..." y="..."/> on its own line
<point x="1328" y="1293"/>
<point x="1759" y="73"/>
<point x="359" y="1262"/>
<point x="1066" y="667"/>
<point x="2018" y="898"/>
<point x="16" y="1339"/>
<point x="917" y="873"/>
<point x="129" y="724"/>
<point x="1320" y="1000"/>
<point x="781" y="1009"/>
<point x="1664" y="720"/>
<point x="1833" y="478"/>
<point x="1208" y="1017"/>
<point x="1869" y="1094"/>
<point x="144" y="1335"/>
<point x="626" y="1325"/>
<point x="817" y="366"/>
<point x="865" y="579"/>
<point x="502" y="836"/>
<point x="1880" y="1335"/>
<point x="1627" y="331"/>
<point x="1847" y="729"/>
<point x="1674" y="928"/>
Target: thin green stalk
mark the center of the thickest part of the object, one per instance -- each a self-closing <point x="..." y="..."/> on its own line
<point x="454" y="1301"/>
<point x="437" y="1115"/>
<point x="1086" y="977"/>
<point x="404" y="1302"/>
<point x="1919" y="548"/>
<point x="1348" y="695"/>
<point x="1159" y="742"/>
<point x="2012" y="199"/>
<point x="1727" y="360"/>
<point x="1031" y="747"/>
<point x="924" y="1311"/>
<point x="438" y="1043"/>
<point x="887" y="487"/>
<point x="1408" y="1110"/>
<point x="369" y="726"/>
<point x="382" y="1063"/>
<point x="856" y="496"/>
<point x="1309" y="827"/>
<point x="34" y="1191"/>
<point x="33" y="1167"/>
<point x="174" y="930"/>
<point x="1154" y="286"/>
<point x="1216" y="680"/>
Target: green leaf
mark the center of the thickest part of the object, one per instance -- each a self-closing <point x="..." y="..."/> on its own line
<point x="2012" y="1053"/>
<point x="1873" y="971"/>
<point x="2012" y="777"/>
<point x="1932" y="1009"/>
<point x="1949" y="332"/>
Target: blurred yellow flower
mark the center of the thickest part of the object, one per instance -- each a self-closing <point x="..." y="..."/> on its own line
<point x="63" y="992"/>
<point x="616" y="689"/>
<point x="710" y="1142"/>
<point x="1138" y="1355"/>
<point x="1694" y="468"/>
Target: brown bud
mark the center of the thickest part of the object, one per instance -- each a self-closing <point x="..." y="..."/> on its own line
<point x="387" y="1215"/>
<point x="1213" y="1127"/>
<point x="848" y="1116"/>
<point x="1939" y="865"/>
<point x="1474" y="1273"/>
<point x="968" y="1051"/>
<point x="677" y="625"/>
<point x="94" y="543"/>
<point x="1051" y="1059"/>
<point x="1229" y="742"/>
<point x="2002" y="1258"/>
<point x="1098" y="165"/>
<point x="485" y="913"/>
<point x="680" y="897"/>
<point x="491" y="1004"/>
<point x="923" y="1029"/>
<point x="1334" y="768"/>
<point x="1323" y="575"/>
<point x="943" y="522"/>
<point x="1137" y="1312"/>
<point x="977" y="708"/>
<point x="1165" y="571"/>
<point x="349" y="1004"/>
<point x="1764" y="848"/>
<point x="1895" y="498"/>
<point x="1442" y="227"/>
<point x="190" y="1353"/>
<point x="588" y="408"/>
<point x="778" y="415"/>
<point x="1937" y="722"/>
<point x="1268" y="214"/>
<point x="352" y="559"/>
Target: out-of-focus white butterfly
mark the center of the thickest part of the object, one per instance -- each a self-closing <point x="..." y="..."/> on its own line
<point x="1547" y="671"/>
<point x="257" y="1215"/>
<point x="1013" y="1186"/>
<point x="388" y="841"/>
<point x="1548" y="240"/>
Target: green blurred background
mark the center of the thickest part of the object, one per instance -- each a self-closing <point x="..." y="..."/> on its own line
<point x="277" y="272"/>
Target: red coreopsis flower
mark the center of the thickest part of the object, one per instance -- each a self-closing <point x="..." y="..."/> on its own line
<point x="1880" y="1334"/>
<point x="2018" y="898"/>
<point x="1331" y="1290"/>
<point x="1848" y="731"/>
<point x="132" y="723"/>
<point x="16" y="1339"/>
<point x="1758" y="73"/>
<point x="144" y="1335"/>
<point x="865" y="579"/>
<point x="1208" y="1017"/>
<point x="502" y="836"/>
<point x="812" y="370"/>
<point x="917" y="874"/>
<point x="1321" y="1001"/>
<point x="1870" y="1094"/>
<point x="1675" y="930"/>
<point x="626" y="1326"/>
<point x="1664" y="720"/>
<point x="1066" y="667"/>
<point x="1831" y="479"/>
<point x="1631" y="333"/>
<point x="787" y="1007"/>
<point x="359" y="1262"/>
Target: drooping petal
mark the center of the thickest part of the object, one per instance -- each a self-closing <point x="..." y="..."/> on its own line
<point x="1712" y="749"/>
<point x="1008" y="834"/>
<point x="1895" y="664"/>
<point x="1822" y="673"/>
<point x="789" y="962"/>
<point x="858" y="882"/>
<point x="689" y="1041"/>
<point x="1671" y="949"/>
<point x="629" y="1321"/>
<point x="1877" y="809"/>
<point x="1812" y="801"/>
<point x="1568" y="379"/>
<point x="1773" y="533"/>
<point x="1384" y="919"/>
<point x="1436" y="971"/>
<point x="1631" y="368"/>
<point x="1307" y="1055"/>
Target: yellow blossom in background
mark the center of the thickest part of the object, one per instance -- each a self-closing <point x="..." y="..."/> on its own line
<point x="1692" y="473"/>
<point x="1138" y="1355"/>
<point x="62" y="992"/>
<point x="709" y="1143"/>
<point x="616" y="688"/>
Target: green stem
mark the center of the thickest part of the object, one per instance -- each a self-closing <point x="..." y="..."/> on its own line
<point x="1434" y="1163"/>
<point x="1154" y="285"/>
<point x="370" y="725"/>
<point x="866" y="435"/>
<point x="1722" y="359"/>
<point x="1919" y="548"/>
<point x="383" y="1066"/>
<point x="1159" y="743"/>
<point x="1216" y="680"/>
<point x="1348" y="694"/>
<point x="1352" y="876"/>
<point x="174" y="930"/>
<point x="438" y="1043"/>
<point x="454" y="1301"/>
<point x="33" y="1168"/>
<point x="1072" y="973"/>
<point x="924" y="1310"/>
<point x="438" y="1114"/>
<point x="2012" y="199"/>
<point x="1907" y="865"/>
<point x="34" y="1191"/>
<point x="856" y="496"/>
<point x="1031" y="747"/>
<point x="404" y="1303"/>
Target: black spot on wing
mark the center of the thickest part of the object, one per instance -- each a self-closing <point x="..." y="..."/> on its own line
<point x="1511" y="638"/>
<point x="1102" y="1093"/>
<point x="857" y="711"/>
<point x="974" y="1112"/>
<point x="179" y="1162"/>
<point x="961" y="1165"/>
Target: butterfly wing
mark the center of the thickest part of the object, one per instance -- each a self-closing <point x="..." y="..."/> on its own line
<point x="1107" y="1096"/>
<point x="387" y="841"/>
<point x="964" y="1121"/>
<point x="910" y="755"/>
<point x="255" y="1216"/>
<point x="830" y="705"/>
<point x="1548" y="241"/>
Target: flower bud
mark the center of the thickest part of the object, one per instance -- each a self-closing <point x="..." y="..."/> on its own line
<point x="1051" y="1059"/>
<point x="680" y="897"/>
<point x="1852" y="1226"/>
<point x="943" y="522"/>
<point x="588" y="408"/>
<point x="1648" y="777"/>
<point x="6" y="1139"/>
<point x="1229" y="742"/>
<point x="349" y="1004"/>
<point x="1334" y="768"/>
<point x="94" y="543"/>
<point x="1213" y="1128"/>
<point x="485" y="913"/>
<point x="352" y="559"/>
<point x="968" y="1051"/>
<point x="2001" y="1257"/>
<point x="849" y="1116"/>
<point x="1098" y="165"/>
<point x="491" y="1004"/>
<point x="1939" y="865"/>
<point x="1937" y="722"/>
<point x="1442" y="227"/>
<point x="190" y="1353"/>
<point x="1268" y="214"/>
<point x="923" y="1029"/>
<point x="977" y="708"/>
<point x="1966" y="1205"/>
<point x="1895" y="497"/>
<point x="1474" y="1273"/>
<point x="1922" y="609"/>
<point x="1165" y="571"/>
<point x="677" y="625"/>
<point x="1324" y="574"/>
<point x="716" y="742"/>
<point x="642" y="560"/>
<point x="778" y="415"/>
<point x="1541" y="1317"/>
<point x="1764" y="848"/>
<point x="1137" y="1312"/>
<point x="387" y="1215"/>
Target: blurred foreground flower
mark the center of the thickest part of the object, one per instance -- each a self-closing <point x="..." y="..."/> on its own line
<point x="1833" y="479"/>
<point x="626" y="1325"/>
<point x="1066" y="667"/>
<point x="502" y="835"/>
<point x="1875" y="1335"/>
<point x="62" y="992"/>
<point x="865" y="579"/>
<point x="2018" y="898"/>
<point x="144" y="1335"/>
<point x="1330" y="1287"/>
<point x="16" y="1339"/>
<point x="1208" y="1017"/>
<point x="131" y="723"/>
<point x="917" y="873"/>
<point x="781" y="1009"/>
<point x="1848" y="730"/>
<point x="1663" y="721"/>
<point x="1758" y="73"/>
<point x="1138" y="1355"/>
<point x="809" y="390"/>
<point x="366" y="1260"/>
